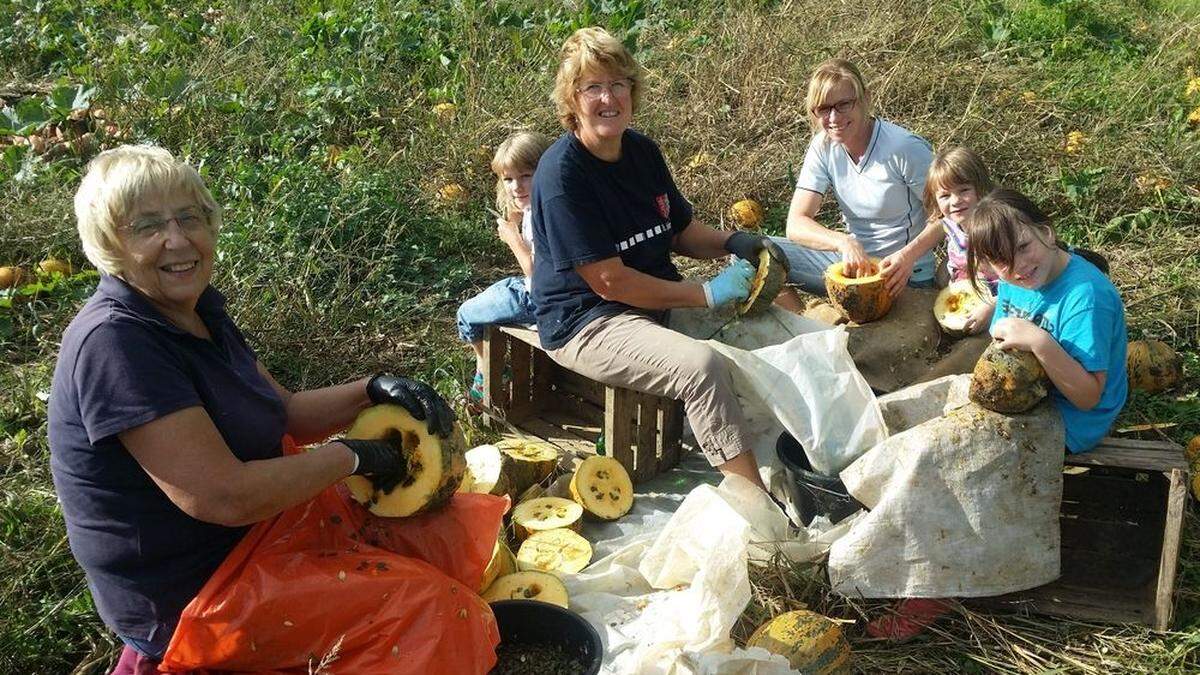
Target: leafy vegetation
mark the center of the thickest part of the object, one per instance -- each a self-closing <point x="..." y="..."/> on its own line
<point x="317" y="126"/>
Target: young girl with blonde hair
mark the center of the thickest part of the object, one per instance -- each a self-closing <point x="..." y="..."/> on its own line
<point x="956" y="182"/>
<point x="507" y="301"/>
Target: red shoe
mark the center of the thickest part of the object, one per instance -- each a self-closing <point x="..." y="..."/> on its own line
<point x="909" y="619"/>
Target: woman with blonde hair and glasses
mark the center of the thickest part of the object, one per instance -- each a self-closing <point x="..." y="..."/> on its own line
<point x="876" y="171"/>
<point x="606" y="218"/>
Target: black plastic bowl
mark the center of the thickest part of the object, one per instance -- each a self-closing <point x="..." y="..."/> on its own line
<point x="533" y="622"/>
<point x="812" y="493"/>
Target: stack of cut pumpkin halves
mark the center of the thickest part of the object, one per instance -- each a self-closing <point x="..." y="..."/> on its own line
<point x="545" y="529"/>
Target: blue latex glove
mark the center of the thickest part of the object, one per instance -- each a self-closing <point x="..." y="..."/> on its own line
<point x="731" y="285"/>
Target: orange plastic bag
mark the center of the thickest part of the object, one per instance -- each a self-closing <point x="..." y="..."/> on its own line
<point x="326" y="580"/>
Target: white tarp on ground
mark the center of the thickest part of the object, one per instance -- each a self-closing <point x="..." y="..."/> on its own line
<point x="666" y="597"/>
<point x="963" y="503"/>
<point x="670" y="579"/>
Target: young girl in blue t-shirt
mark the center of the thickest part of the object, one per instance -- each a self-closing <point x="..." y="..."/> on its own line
<point x="1056" y="304"/>
<point x="508" y="300"/>
<point x="1059" y="306"/>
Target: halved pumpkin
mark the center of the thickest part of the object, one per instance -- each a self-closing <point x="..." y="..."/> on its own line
<point x="1007" y="380"/>
<point x="955" y="303"/>
<point x="527" y="462"/>
<point x="435" y="465"/>
<point x="529" y="585"/>
<point x="554" y="551"/>
<point x="767" y="282"/>
<point x="545" y="513"/>
<point x="602" y="487"/>
<point x="860" y="299"/>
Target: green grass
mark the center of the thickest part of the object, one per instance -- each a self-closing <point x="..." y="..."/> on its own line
<point x="313" y="124"/>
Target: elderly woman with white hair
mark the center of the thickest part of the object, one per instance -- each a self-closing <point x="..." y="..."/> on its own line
<point x="165" y="428"/>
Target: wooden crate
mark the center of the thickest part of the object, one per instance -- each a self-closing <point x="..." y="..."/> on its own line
<point x="1122" y="521"/>
<point x="523" y="387"/>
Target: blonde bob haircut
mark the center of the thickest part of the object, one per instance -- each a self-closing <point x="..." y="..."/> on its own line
<point x="519" y="152"/>
<point x="116" y="182"/>
<point x="591" y="51"/>
<point x="827" y="77"/>
<point x="951" y="168"/>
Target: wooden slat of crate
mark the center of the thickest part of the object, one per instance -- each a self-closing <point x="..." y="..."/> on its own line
<point x="646" y="456"/>
<point x="521" y="391"/>
<point x="670" y="424"/>
<point x="495" y="352"/>
<point x="578" y="385"/>
<point x="619" y="409"/>
<point x="1164" y="593"/>
<point x="526" y="335"/>
<point x="561" y="399"/>
<point x="556" y="434"/>
<point x="1128" y="453"/>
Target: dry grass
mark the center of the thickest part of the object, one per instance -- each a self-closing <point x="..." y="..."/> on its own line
<point x="974" y="640"/>
<point x="338" y="266"/>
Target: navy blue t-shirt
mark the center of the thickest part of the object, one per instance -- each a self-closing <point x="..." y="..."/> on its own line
<point x="586" y="210"/>
<point x="121" y="365"/>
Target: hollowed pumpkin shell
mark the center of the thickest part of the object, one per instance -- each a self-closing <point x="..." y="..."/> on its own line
<point x="860" y="299"/>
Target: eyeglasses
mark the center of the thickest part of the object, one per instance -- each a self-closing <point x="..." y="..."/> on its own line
<point x="842" y="107"/>
<point x="189" y="220"/>
<point x="615" y="89"/>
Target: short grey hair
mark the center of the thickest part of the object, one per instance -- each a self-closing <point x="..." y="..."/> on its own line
<point x="116" y="181"/>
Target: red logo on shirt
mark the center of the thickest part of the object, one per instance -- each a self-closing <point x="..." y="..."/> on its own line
<point x="664" y="206"/>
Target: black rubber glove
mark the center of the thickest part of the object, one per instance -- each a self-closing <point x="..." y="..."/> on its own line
<point x="416" y="397"/>
<point x="381" y="461"/>
<point x="747" y="246"/>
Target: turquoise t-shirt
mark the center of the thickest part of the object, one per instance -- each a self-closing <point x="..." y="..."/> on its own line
<point x="1082" y="311"/>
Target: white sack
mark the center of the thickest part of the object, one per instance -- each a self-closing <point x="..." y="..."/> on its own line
<point x="964" y="504"/>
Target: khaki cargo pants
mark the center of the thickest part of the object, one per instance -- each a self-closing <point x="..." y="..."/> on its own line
<point x="632" y="350"/>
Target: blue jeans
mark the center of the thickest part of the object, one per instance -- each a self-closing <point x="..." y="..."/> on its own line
<point x="506" y="301"/>
<point x="143" y="647"/>
<point x="808" y="266"/>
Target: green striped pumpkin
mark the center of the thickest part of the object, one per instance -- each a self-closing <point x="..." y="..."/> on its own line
<point x="813" y="644"/>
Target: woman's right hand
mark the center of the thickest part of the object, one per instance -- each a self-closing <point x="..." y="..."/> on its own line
<point x="383" y="461"/>
<point x="855" y="257"/>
